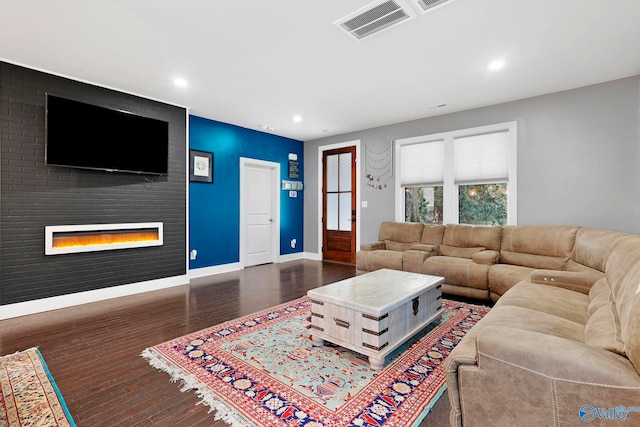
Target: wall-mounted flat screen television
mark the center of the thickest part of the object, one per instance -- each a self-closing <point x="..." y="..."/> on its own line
<point x="82" y="135"/>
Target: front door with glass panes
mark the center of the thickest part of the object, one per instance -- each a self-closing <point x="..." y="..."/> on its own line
<point x="339" y="205"/>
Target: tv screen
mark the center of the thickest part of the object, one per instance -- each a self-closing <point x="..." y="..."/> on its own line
<point x="87" y="136"/>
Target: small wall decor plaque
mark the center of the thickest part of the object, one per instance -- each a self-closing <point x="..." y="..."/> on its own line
<point x="294" y="169"/>
<point x="200" y="166"/>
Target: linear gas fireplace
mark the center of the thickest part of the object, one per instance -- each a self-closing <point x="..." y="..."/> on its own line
<point x="67" y="239"/>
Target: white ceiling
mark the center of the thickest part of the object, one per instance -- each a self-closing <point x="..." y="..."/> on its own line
<point x="259" y="62"/>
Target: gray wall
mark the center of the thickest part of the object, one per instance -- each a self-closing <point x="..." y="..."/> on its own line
<point x="578" y="158"/>
<point x="34" y="195"/>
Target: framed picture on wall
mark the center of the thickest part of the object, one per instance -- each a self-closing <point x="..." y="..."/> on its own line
<point x="200" y="166"/>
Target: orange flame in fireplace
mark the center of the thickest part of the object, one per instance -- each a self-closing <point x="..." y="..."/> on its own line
<point x="104" y="238"/>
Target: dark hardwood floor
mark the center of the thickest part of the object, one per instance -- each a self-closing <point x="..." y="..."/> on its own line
<point x="93" y="350"/>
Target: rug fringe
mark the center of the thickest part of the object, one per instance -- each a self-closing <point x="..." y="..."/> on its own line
<point x="20" y="351"/>
<point x="222" y="411"/>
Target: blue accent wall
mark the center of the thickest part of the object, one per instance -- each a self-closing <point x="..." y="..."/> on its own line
<point x="214" y="209"/>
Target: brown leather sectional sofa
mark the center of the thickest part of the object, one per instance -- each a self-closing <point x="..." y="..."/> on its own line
<point x="561" y="346"/>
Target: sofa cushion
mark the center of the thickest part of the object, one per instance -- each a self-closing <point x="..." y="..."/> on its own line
<point x="593" y="247"/>
<point x="423" y="247"/>
<point x="446" y="250"/>
<point x="583" y="269"/>
<point x="503" y="277"/>
<point x="486" y="256"/>
<point x="559" y="302"/>
<point x="603" y="330"/>
<point x="623" y="277"/>
<point x="432" y="234"/>
<point x="373" y="246"/>
<point x="532" y="260"/>
<point x="529" y="319"/>
<point x="537" y="246"/>
<point x="465" y="291"/>
<point x="458" y="271"/>
<point x="413" y="260"/>
<point x="375" y="260"/>
<point x="391" y="245"/>
<point x="599" y="295"/>
<point x="403" y="232"/>
<point x="472" y="236"/>
<point x="629" y="331"/>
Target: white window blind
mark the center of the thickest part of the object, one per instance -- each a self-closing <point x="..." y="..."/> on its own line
<point x="481" y="158"/>
<point x="422" y="163"/>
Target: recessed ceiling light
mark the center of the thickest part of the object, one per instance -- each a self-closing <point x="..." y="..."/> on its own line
<point x="297" y="118"/>
<point x="180" y="82"/>
<point x="496" y="65"/>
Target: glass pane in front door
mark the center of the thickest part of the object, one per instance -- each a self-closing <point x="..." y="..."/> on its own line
<point x="339" y="192"/>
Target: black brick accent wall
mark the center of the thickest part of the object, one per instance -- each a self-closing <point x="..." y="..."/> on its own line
<point x="33" y="195"/>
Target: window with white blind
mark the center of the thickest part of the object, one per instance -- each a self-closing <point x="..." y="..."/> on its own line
<point x="466" y="176"/>
<point x="481" y="158"/>
<point x="423" y="163"/>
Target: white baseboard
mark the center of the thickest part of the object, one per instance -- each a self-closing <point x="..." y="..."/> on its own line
<point x="313" y="256"/>
<point x="292" y="257"/>
<point x="226" y="268"/>
<point x="63" y="301"/>
<point x="216" y="269"/>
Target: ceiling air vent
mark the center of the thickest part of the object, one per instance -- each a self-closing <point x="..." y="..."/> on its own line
<point x="425" y="6"/>
<point x="374" y="17"/>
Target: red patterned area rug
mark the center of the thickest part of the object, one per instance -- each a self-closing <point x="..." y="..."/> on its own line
<point x="262" y="370"/>
<point x="28" y="394"/>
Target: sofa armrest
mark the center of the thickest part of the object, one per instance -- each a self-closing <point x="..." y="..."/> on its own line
<point x="487" y="257"/>
<point x="572" y="280"/>
<point x="517" y="370"/>
<point x="424" y="247"/>
<point x="372" y="246"/>
<point x="465" y="353"/>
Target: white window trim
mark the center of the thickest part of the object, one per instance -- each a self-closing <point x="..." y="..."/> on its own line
<point x="450" y="208"/>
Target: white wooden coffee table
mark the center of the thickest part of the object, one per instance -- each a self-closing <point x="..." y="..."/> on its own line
<point x="376" y="312"/>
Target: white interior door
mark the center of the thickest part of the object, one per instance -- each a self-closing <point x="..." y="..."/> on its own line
<point x="260" y="212"/>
